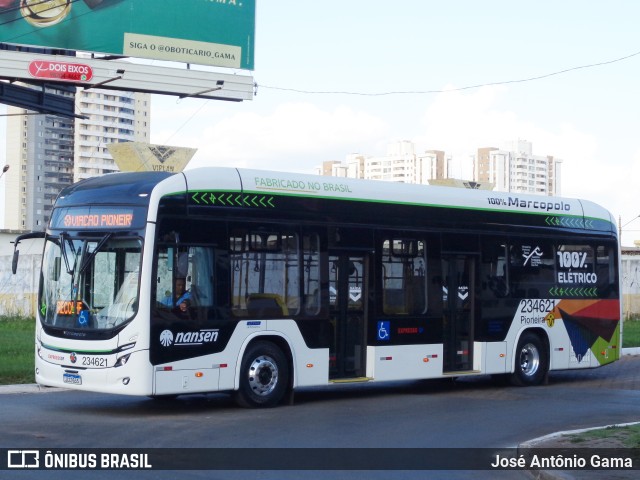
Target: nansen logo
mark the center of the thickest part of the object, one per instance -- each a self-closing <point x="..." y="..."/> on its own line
<point x="166" y="338"/>
<point x="189" y="338"/>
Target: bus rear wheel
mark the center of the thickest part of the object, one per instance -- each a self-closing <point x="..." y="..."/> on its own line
<point x="264" y="376"/>
<point x="532" y="361"/>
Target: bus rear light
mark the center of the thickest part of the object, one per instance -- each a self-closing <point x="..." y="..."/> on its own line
<point x="425" y="360"/>
<point x="386" y="358"/>
<point x="199" y="374"/>
<point x="560" y="349"/>
<point x="167" y="369"/>
<point x="309" y="365"/>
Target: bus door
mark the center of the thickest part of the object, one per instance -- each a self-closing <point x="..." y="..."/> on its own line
<point x="347" y="315"/>
<point x="458" y="273"/>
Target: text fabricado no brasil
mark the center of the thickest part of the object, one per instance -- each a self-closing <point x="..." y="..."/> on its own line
<point x="301" y="185"/>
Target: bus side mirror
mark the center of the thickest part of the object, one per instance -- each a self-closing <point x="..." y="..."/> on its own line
<point x="16" y="252"/>
<point x="14" y="262"/>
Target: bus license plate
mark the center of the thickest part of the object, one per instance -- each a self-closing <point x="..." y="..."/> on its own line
<point x="71" y="378"/>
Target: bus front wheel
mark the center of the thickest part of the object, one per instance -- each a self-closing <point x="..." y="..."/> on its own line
<point x="264" y="375"/>
<point x="531" y="362"/>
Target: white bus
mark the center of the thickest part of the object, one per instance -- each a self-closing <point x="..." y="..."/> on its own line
<point x="296" y="280"/>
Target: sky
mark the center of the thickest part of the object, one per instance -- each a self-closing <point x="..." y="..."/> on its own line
<point x="340" y="77"/>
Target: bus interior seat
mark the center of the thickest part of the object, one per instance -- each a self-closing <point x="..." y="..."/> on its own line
<point x="266" y="305"/>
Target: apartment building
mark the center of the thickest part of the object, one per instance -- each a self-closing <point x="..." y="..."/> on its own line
<point x="39" y="152"/>
<point x="46" y="153"/>
<point x="516" y="169"/>
<point x="400" y="164"/>
<point x="113" y="117"/>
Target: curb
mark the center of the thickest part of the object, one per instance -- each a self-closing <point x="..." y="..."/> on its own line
<point x="532" y="443"/>
<point x="29" y="388"/>
<point x="562" y="474"/>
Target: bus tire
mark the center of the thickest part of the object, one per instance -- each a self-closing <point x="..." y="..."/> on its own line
<point x="531" y="362"/>
<point x="264" y="376"/>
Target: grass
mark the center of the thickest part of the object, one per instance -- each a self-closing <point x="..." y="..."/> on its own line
<point x="17" y="350"/>
<point x="614" y="436"/>
<point x="631" y="332"/>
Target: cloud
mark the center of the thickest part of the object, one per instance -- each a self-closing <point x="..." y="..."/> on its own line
<point x="460" y="122"/>
<point x="293" y="136"/>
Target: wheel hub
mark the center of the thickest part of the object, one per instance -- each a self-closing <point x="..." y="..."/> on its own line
<point x="529" y="359"/>
<point x="263" y="375"/>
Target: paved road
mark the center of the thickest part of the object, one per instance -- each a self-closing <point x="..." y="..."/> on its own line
<point x="466" y="413"/>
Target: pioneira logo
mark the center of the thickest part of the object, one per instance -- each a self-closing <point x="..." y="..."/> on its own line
<point x="205" y="335"/>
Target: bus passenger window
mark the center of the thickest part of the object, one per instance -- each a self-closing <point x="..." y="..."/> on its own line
<point x="187" y="273"/>
<point x="575" y="265"/>
<point x="403" y="272"/>
<point x="532" y="267"/>
<point x="606" y="268"/>
<point x="311" y="272"/>
<point x="265" y="274"/>
<point x="493" y="267"/>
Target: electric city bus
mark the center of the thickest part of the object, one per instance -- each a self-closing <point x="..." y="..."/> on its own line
<point x="259" y="283"/>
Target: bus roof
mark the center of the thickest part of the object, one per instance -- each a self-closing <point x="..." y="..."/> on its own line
<point x="574" y="213"/>
<point x="124" y="188"/>
<point x="233" y="187"/>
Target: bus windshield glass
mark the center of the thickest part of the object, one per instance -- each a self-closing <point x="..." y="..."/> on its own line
<point x="89" y="283"/>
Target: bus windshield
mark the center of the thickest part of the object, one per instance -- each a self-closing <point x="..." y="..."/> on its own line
<point x="89" y="283"/>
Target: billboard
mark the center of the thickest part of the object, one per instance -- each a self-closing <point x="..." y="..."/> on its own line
<point x="143" y="157"/>
<point x="203" y="32"/>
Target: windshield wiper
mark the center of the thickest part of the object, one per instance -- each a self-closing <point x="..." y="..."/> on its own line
<point x="63" y="249"/>
<point x="89" y="258"/>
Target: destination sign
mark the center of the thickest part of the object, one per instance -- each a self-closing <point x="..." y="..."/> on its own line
<point x="68" y="307"/>
<point x="95" y="220"/>
<point x="86" y="218"/>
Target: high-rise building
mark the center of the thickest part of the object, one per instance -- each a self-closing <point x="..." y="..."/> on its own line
<point x="39" y="152"/>
<point x="113" y="117"/>
<point x="516" y="169"/>
<point x="400" y="164"/>
<point x="47" y="153"/>
<point x="432" y="165"/>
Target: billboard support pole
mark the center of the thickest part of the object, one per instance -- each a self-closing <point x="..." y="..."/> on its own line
<point x="220" y="84"/>
<point x="104" y="82"/>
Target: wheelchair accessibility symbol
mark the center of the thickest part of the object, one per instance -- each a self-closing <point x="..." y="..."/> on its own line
<point x="384" y="330"/>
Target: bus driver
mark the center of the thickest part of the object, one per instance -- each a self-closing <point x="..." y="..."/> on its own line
<point x="181" y="297"/>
